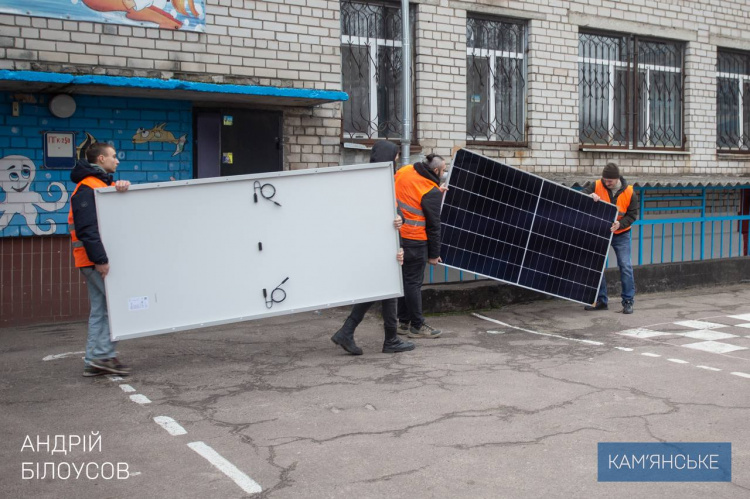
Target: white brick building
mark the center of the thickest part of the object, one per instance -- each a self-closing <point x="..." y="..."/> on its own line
<point x="298" y="43"/>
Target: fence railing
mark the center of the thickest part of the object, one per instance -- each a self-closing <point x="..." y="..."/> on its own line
<point x="676" y="224"/>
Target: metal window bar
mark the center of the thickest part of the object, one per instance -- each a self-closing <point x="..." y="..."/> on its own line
<point x="496" y="81"/>
<point x="371" y="70"/>
<point x="624" y="76"/>
<point x="733" y="109"/>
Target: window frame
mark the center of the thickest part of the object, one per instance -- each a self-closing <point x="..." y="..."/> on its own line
<point x="492" y="55"/>
<point x="743" y="80"/>
<point x="633" y="92"/>
<point x="372" y="51"/>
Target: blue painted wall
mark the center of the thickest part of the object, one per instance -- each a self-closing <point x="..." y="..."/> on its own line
<point x="37" y="209"/>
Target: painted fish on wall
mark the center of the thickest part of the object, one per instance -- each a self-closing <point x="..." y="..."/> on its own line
<point x="158" y="134"/>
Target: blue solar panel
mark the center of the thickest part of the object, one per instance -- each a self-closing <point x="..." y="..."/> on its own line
<point x="516" y="227"/>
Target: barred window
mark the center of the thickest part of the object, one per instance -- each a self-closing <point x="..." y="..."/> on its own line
<point x="371" y="69"/>
<point x="733" y="101"/>
<point x="496" y="80"/>
<point x="630" y="92"/>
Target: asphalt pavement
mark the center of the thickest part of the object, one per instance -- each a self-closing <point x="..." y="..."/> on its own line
<point x="507" y="403"/>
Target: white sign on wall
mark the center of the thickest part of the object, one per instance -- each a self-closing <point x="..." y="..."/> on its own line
<point x="196" y="253"/>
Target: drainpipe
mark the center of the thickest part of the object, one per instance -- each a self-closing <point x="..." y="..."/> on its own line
<point x="406" y="80"/>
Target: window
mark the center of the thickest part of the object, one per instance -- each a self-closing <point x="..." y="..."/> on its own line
<point x="733" y="101"/>
<point x="371" y="69"/>
<point x="630" y="92"/>
<point x="496" y="80"/>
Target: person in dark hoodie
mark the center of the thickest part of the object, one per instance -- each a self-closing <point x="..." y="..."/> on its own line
<point x="419" y="197"/>
<point x="382" y="151"/>
<point x="88" y="252"/>
<point x="612" y="188"/>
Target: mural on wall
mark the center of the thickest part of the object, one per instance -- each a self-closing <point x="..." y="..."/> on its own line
<point x="187" y="15"/>
<point x="159" y="134"/>
<point x="35" y="197"/>
<point x="16" y="175"/>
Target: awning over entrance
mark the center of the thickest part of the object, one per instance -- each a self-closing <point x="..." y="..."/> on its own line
<point x="154" y="88"/>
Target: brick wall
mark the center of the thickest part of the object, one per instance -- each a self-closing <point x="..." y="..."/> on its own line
<point x="441" y="77"/>
<point x="552" y="79"/>
<point x="296" y="43"/>
<point x="38" y="282"/>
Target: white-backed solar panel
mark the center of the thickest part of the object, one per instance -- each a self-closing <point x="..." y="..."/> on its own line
<point x="516" y="227"/>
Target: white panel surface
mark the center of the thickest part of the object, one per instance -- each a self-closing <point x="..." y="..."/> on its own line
<point x="185" y="254"/>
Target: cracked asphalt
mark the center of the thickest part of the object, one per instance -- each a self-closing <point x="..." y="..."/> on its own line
<point x="509" y="409"/>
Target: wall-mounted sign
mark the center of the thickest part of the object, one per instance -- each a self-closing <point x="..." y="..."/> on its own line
<point x="59" y="149"/>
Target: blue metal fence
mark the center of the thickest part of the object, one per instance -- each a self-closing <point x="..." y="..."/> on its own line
<point x="675" y="224"/>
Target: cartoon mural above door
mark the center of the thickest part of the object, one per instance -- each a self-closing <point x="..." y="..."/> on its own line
<point x="186" y="15"/>
<point x="16" y="176"/>
<point x="159" y="134"/>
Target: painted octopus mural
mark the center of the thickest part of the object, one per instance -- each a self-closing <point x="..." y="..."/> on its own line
<point x="16" y="176"/>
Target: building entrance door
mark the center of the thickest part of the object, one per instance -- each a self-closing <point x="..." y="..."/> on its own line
<point x="237" y="142"/>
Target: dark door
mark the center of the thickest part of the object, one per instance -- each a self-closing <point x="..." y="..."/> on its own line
<point x="237" y="142"/>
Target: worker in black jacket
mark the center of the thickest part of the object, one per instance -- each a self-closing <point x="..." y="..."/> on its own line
<point x="419" y="197"/>
<point x="382" y="151"/>
<point x="90" y="256"/>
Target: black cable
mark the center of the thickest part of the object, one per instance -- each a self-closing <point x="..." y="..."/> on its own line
<point x="258" y="187"/>
<point x="275" y="298"/>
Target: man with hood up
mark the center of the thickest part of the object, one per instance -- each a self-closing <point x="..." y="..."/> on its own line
<point x="612" y="188"/>
<point x="88" y="252"/>
<point x="382" y="151"/>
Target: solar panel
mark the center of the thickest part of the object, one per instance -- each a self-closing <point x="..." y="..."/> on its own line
<point x="516" y="227"/>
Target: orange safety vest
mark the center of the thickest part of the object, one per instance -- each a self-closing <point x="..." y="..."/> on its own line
<point x="410" y="187"/>
<point x="623" y="201"/>
<point x="79" y="252"/>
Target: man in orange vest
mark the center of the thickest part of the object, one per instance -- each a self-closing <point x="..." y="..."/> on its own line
<point x="88" y="251"/>
<point x="419" y="197"/>
<point x="612" y="188"/>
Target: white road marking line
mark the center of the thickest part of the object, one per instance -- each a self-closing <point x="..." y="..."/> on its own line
<point x="169" y="424"/>
<point x="127" y="388"/>
<point x="112" y="377"/>
<point x="740" y="317"/>
<point x="643" y="333"/>
<point x="707" y="334"/>
<point x="624" y="349"/>
<point x="245" y="482"/>
<point x="678" y="361"/>
<point x="709" y="368"/>
<point x="700" y="324"/>
<point x="140" y="399"/>
<point x="61" y="355"/>
<point x="714" y="347"/>
<point x="648" y="354"/>
<point x="589" y="342"/>
<point x="742" y="375"/>
<point x="495" y="332"/>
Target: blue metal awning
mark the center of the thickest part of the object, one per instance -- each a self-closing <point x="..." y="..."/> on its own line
<point x="37" y="81"/>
